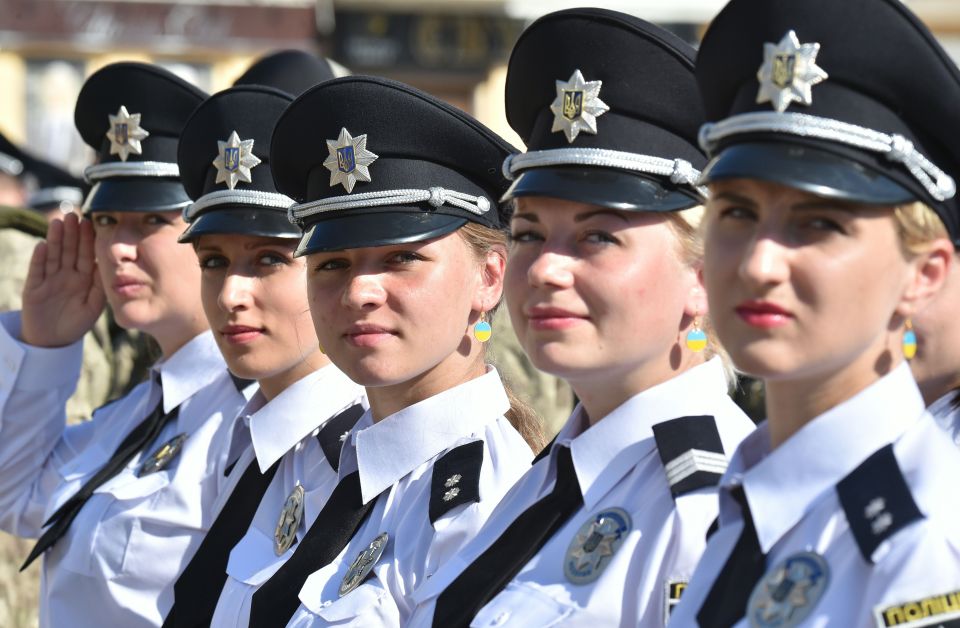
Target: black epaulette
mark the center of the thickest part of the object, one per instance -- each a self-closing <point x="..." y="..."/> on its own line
<point x="240" y="383"/>
<point x="334" y="432"/>
<point x="877" y="501"/>
<point x="691" y="451"/>
<point x="456" y="479"/>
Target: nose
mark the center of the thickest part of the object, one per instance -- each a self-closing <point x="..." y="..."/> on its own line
<point x="550" y="268"/>
<point x="364" y="291"/>
<point x="123" y="244"/>
<point x="764" y="262"/>
<point x="235" y="294"/>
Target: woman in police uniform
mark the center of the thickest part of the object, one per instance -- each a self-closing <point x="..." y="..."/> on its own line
<point x="118" y="502"/>
<point x="834" y="175"/>
<point x="603" y="284"/>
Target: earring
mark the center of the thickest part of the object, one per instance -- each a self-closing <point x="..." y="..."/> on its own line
<point x="696" y="338"/>
<point x="482" y="330"/>
<point x="320" y="346"/>
<point x="909" y="341"/>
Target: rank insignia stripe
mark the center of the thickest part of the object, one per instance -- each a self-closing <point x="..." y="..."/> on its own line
<point x="934" y="610"/>
<point x="456" y="479"/>
<point x="691" y="451"/>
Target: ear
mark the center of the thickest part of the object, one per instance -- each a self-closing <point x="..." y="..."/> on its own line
<point x="929" y="272"/>
<point x="490" y="287"/>
<point x="696" y="303"/>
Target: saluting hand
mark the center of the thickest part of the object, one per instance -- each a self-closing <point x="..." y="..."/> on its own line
<point x="62" y="296"/>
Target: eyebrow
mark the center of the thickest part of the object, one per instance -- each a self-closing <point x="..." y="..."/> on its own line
<point x="599" y="212"/>
<point x="821" y="204"/>
<point x="526" y="216"/>
<point x="733" y="198"/>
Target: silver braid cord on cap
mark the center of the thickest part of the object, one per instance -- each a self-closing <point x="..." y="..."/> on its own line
<point x="895" y="148"/>
<point x="131" y="169"/>
<point x="436" y="196"/>
<point x="236" y="197"/>
<point x="680" y="171"/>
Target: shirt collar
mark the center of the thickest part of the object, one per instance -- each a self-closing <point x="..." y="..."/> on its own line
<point x="194" y="366"/>
<point x="392" y="448"/>
<point x="603" y="453"/>
<point x="782" y="485"/>
<point x="276" y="426"/>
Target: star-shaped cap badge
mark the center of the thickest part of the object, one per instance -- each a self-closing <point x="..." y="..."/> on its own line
<point x="577" y="106"/>
<point x="125" y="134"/>
<point x="789" y="72"/>
<point x="349" y="160"/>
<point x="234" y="161"/>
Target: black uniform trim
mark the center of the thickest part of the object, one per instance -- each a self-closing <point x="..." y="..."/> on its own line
<point x="696" y="437"/>
<point x="877" y="501"/>
<point x="456" y="479"/>
<point x="241" y="383"/>
<point x="329" y="435"/>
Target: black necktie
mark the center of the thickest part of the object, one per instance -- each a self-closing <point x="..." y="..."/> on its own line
<point x="134" y="443"/>
<point x="198" y="588"/>
<point x="726" y="603"/>
<point x="496" y="567"/>
<point x="278" y="598"/>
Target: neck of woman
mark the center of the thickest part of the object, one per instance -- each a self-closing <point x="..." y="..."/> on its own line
<point x="455" y="370"/>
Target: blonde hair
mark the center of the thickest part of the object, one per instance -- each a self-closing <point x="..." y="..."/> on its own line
<point x="482" y="241"/>
<point x="917" y="225"/>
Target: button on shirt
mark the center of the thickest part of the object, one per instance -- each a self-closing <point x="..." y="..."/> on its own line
<point x="617" y="466"/>
<point x="791" y="492"/>
<point x="116" y="564"/>
<point x="395" y="458"/>
<point x="283" y="429"/>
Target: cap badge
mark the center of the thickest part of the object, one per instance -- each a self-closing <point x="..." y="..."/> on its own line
<point x="788" y="593"/>
<point x="577" y="106"/>
<point x="125" y="134"/>
<point x="234" y="161"/>
<point x="595" y="544"/>
<point x="349" y="160"/>
<point x="290" y="516"/>
<point x="789" y="72"/>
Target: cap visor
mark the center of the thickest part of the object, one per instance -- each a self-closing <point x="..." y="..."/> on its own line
<point x="136" y="194"/>
<point x="361" y="230"/>
<point x="251" y="221"/>
<point x="806" y="168"/>
<point x="603" y="187"/>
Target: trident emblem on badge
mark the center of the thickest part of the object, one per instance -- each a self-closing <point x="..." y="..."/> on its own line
<point x="572" y="104"/>
<point x="120" y="132"/>
<point x="345" y="159"/>
<point x="784" y="66"/>
<point x="231" y="158"/>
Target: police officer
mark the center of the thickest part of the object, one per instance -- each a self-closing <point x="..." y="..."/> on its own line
<point x="832" y="136"/>
<point x="121" y="501"/>
<point x="603" y="287"/>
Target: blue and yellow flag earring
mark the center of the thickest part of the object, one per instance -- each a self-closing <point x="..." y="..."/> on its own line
<point x="320" y="346"/>
<point x="696" y="337"/>
<point x="909" y="341"/>
<point x="482" y="330"/>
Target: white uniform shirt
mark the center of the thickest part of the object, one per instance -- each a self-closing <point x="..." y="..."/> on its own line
<point x="793" y="498"/>
<point x="395" y="459"/>
<point x="116" y="564"/>
<point x="284" y="429"/>
<point x="946" y="411"/>
<point x="617" y="466"/>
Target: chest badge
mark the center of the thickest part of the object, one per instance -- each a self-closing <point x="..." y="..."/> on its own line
<point x="577" y="106"/>
<point x="161" y="458"/>
<point x="789" y="592"/>
<point x="290" y="517"/>
<point x="595" y="544"/>
<point x="789" y="72"/>
<point x="363" y="564"/>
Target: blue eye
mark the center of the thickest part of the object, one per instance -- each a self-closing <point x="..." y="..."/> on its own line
<point x="332" y="264"/>
<point x="600" y="237"/>
<point x="272" y="259"/>
<point x="212" y="261"/>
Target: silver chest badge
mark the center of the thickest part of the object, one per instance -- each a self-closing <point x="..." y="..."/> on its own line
<point x="125" y="133"/>
<point x="349" y="160"/>
<point x="789" y="72"/>
<point x="363" y="564"/>
<point x="161" y="458"/>
<point x="788" y="593"/>
<point x="290" y="517"/>
<point x="234" y="160"/>
<point x="577" y="106"/>
<point x="595" y="544"/>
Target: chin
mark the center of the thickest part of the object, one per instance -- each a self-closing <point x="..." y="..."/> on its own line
<point x="134" y="315"/>
<point x="560" y="360"/>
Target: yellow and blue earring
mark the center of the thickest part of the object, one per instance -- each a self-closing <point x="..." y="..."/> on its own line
<point x="696" y="337"/>
<point x="320" y="346"/>
<point x="909" y="341"/>
<point x="482" y="330"/>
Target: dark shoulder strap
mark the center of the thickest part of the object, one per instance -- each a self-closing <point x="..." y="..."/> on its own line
<point x="691" y="451"/>
<point x="877" y="501"/>
<point x="333" y="433"/>
<point x="456" y="479"/>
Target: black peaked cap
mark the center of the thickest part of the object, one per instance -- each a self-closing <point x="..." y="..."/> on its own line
<point x="884" y="71"/>
<point x="419" y="143"/>
<point x="250" y="111"/>
<point x="54" y="185"/>
<point x="164" y="102"/>
<point x="293" y="71"/>
<point x="648" y="83"/>
<point x="11" y="157"/>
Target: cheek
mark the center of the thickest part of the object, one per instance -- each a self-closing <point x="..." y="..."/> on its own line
<point x="211" y="285"/>
<point x="515" y="284"/>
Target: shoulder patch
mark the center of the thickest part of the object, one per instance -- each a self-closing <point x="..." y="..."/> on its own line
<point x="691" y="451"/>
<point x="334" y="432"/>
<point x="240" y="383"/>
<point x="933" y="610"/>
<point x="456" y="479"/>
<point x="877" y="501"/>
